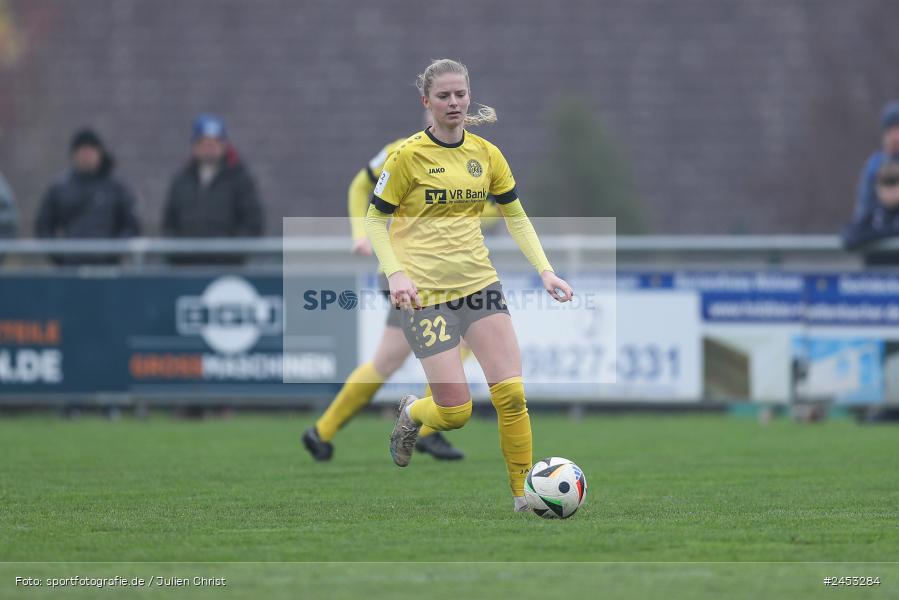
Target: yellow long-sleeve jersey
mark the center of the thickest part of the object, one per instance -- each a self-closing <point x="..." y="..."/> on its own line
<point x="435" y="193"/>
<point x="359" y="193"/>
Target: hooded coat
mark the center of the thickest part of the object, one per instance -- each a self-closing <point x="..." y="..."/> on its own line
<point x="88" y="205"/>
<point x="227" y="206"/>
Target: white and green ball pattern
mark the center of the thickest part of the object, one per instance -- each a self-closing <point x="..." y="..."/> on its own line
<point x="555" y="488"/>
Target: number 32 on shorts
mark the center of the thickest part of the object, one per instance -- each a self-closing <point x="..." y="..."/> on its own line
<point x="429" y="334"/>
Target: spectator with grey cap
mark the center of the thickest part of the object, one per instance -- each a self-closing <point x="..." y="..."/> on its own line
<point x="876" y="214"/>
<point x="214" y="194"/>
<point x="88" y="201"/>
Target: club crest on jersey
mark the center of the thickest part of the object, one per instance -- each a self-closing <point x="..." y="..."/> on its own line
<point x="474" y="168"/>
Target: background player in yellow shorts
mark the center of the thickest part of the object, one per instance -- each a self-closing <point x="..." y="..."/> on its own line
<point x="434" y="186"/>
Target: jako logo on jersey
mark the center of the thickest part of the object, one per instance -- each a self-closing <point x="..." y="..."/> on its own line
<point x="434" y="170"/>
<point x="432" y="196"/>
<point x="230" y="315"/>
<point x="382" y="182"/>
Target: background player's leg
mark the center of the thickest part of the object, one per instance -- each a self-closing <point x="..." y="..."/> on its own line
<point x="364" y="383"/>
<point x="493" y="341"/>
<point x="392" y="352"/>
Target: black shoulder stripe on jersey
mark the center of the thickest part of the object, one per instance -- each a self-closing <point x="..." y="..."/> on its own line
<point x="383" y="206"/>
<point x="510" y="196"/>
<point x="371" y="174"/>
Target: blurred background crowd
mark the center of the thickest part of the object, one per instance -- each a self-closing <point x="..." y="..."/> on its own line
<point x="224" y="116"/>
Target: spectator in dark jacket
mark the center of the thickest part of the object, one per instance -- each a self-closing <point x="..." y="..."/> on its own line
<point x="8" y="219"/>
<point x="876" y="213"/>
<point x="214" y="195"/>
<point x="89" y="202"/>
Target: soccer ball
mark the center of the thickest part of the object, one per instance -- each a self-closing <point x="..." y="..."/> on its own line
<point x="555" y="488"/>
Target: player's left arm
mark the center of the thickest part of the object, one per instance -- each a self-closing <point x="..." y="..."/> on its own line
<point x="390" y="191"/>
<point x="358" y="197"/>
<point x="357" y="207"/>
<point x="502" y="186"/>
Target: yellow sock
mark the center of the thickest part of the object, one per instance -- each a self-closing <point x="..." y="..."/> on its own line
<point x="442" y="418"/>
<point x="425" y="431"/>
<point x="359" y="389"/>
<point x="514" y="430"/>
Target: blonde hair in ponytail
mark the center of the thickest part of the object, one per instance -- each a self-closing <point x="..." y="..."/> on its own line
<point x="443" y="66"/>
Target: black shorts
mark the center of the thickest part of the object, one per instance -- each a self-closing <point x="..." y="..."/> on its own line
<point x="394" y="315"/>
<point x="434" y="329"/>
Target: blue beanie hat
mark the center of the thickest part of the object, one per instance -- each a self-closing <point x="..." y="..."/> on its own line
<point x="890" y="115"/>
<point x="208" y="125"/>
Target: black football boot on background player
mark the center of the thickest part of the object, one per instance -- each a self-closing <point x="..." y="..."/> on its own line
<point x="439" y="447"/>
<point x="320" y="450"/>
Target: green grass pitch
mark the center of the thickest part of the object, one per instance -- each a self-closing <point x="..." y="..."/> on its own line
<point x="680" y="506"/>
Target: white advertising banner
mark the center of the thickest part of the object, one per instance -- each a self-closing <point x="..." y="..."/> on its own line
<point x="633" y="344"/>
<point x="689" y="336"/>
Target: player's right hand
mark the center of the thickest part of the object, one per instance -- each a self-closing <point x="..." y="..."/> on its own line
<point x="556" y="287"/>
<point x="362" y="247"/>
<point x="403" y="293"/>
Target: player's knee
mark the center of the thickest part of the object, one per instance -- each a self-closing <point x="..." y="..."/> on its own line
<point x="454" y="417"/>
<point x="450" y="394"/>
<point x="508" y="396"/>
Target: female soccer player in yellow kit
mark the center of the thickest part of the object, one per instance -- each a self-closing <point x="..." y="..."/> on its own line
<point x="434" y="187"/>
<point x="393" y="349"/>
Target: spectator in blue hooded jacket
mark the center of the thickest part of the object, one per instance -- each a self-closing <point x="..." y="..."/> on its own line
<point x="213" y="195"/>
<point x="876" y="214"/>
